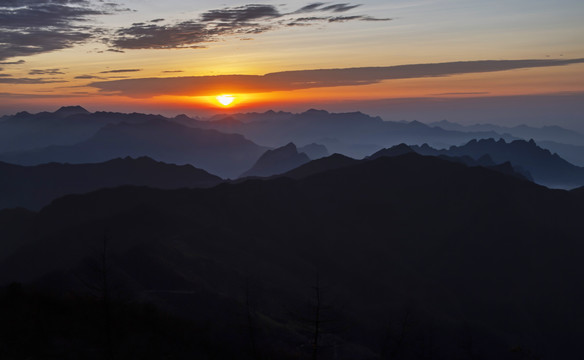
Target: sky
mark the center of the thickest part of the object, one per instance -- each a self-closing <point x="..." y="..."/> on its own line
<point x="389" y="58"/>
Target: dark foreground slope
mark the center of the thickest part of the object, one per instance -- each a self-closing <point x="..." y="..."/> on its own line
<point x="33" y="187"/>
<point x="414" y="257"/>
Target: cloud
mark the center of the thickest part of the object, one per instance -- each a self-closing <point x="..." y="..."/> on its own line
<point x="88" y="77"/>
<point x="19" y="62"/>
<point x="339" y="7"/>
<point x="30" y="27"/>
<point x="319" y="7"/>
<point x="46" y="72"/>
<point x="309" y="8"/>
<point x="241" y="14"/>
<point x="38" y="96"/>
<point x="119" y="71"/>
<point x="11" y="80"/>
<point x="173" y="71"/>
<point x="212" y="25"/>
<point x="306" y="79"/>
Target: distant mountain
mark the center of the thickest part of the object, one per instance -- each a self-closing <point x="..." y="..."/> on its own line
<point x="227" y="155"/>
<point x="269" y="115"/>
<point x="354" y="134"/>
<point x="33" y="187"/>
<point x="277" y="161"/>
<point x="66" y="111"/>
<point x="539" y="134"/>
<point x="545" y="168"/>
<point x="314" y="151"/>
<point x="467" y="260"/>
<point x="66" y="126"/>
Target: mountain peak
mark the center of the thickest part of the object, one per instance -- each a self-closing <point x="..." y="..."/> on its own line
<point x="278" y="161"/>
<point x="70" y="110"/>
<point x="397" y="150"/>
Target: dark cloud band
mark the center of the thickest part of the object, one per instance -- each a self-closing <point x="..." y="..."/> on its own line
<point x="306" y="79"/>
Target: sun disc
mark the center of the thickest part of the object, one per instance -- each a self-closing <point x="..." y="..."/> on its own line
<point x="225" y="100"/>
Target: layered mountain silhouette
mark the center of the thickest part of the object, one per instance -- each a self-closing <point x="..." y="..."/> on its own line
<point x="354" y="134"/>
<point x="484" y="161"/>
<point x="227" y="155"/>
<point x="468" y="260"/>
<point x="33" y="187"/>
<point x="539" y="134"/>
<point x="522" y="158"/>
<point x="277" y="161"/>
<point x="569" y="144"/>
<point x="545" y="168"/>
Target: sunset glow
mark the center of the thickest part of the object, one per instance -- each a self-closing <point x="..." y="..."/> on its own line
<point x="200" y="57"/>
<point x="225" y="100"/>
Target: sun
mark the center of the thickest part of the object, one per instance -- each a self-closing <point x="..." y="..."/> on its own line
<point x="225" y="100"/>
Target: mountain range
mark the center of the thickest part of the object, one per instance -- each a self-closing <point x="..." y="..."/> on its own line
<point x="354" y="134"/>
<point x="226" y="155"/>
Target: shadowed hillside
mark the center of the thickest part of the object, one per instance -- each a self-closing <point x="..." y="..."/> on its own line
<point x="33" y="187"/>
<point x="470" y="260"/>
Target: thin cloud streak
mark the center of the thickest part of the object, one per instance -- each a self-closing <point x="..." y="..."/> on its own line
<point x="307" y="79"/>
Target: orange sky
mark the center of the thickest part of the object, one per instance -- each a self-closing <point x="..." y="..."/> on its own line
<point x="71" y="58"/>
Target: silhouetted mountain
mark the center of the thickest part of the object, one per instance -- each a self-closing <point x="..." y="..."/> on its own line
<point x="33" y="187"/>
<point x="277" y="161"/>
<point x="397" y="150"/>
<point x="470" y="255"/>
<point x="335" y="161"/>
<point x="571" y="153"/>
<point x="65" y="111"/>
<point x="314" y="151"/>
<point x="484" y="161"/>
<point x="226" y="155"/>
<point x="545" y="168"/>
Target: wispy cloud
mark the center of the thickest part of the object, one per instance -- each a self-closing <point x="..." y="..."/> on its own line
<point x="46" y="72"/>
<point x="214" y="24"/>
<point x="11" y="80"/>
<point x="119" y="71"/>
<point x="19" y="62"/>
<point x="88" y="77"/>
<point x="30" y="27"/>
<point x="306" y="79"/>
